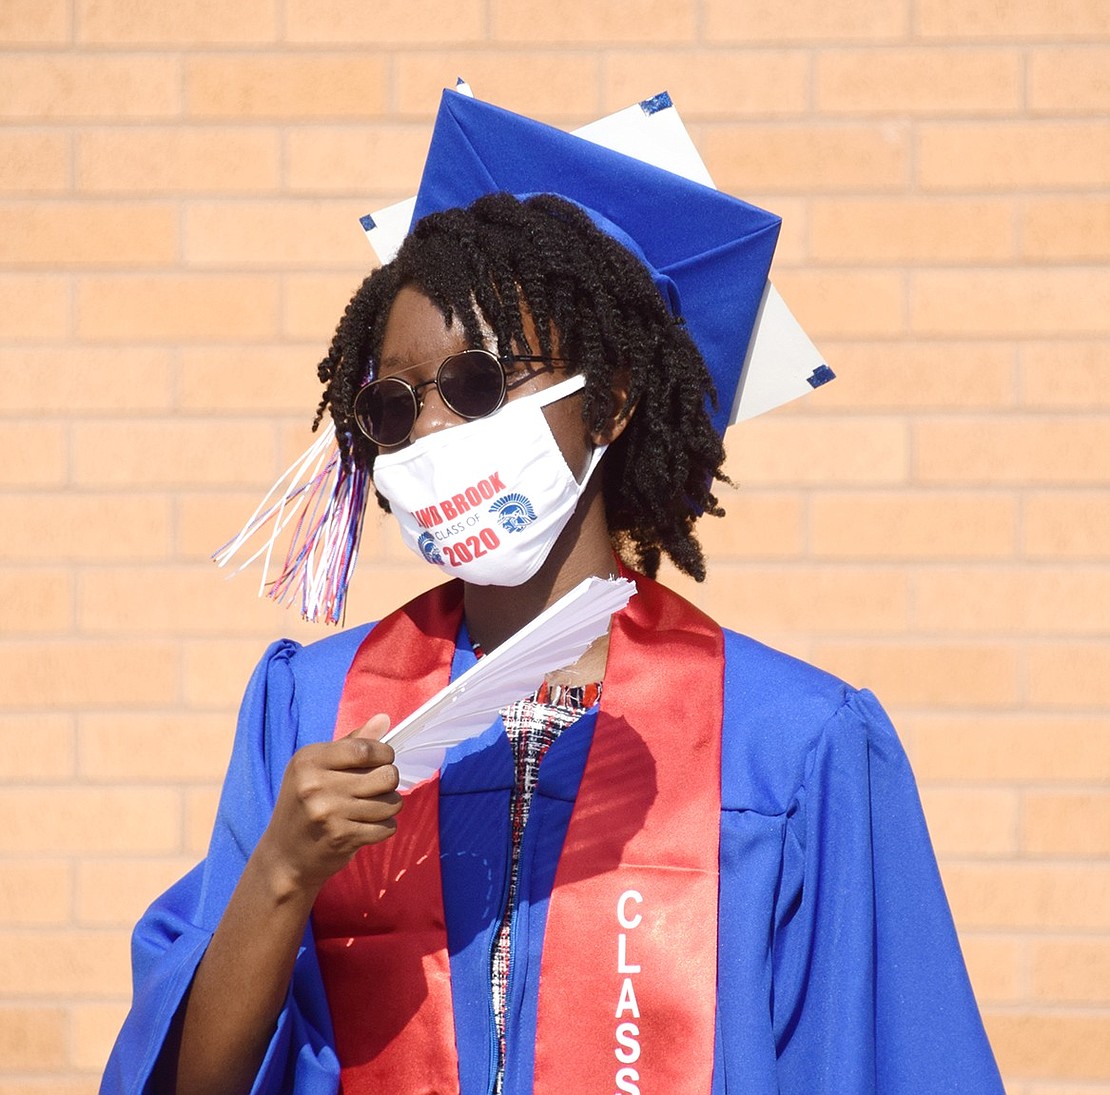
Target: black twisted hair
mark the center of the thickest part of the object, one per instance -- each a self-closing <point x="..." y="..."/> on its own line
<point x="486" y="265"/>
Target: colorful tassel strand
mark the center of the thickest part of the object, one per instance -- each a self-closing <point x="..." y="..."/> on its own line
<point x="324" y="499"/>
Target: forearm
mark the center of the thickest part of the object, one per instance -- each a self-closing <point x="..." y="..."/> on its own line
<point x="241" y="983"/>
<point x="335" y="798"/>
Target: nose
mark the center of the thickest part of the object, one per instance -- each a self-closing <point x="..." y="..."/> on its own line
<point x="432" y="413"/>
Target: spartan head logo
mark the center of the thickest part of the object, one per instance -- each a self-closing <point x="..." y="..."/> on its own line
<point x="514" y="512"/>
<point x="427" y="545"/>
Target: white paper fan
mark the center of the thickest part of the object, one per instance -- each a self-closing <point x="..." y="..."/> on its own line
<point x="556" y="638"/>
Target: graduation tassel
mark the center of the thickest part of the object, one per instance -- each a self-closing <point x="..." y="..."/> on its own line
<point x="324" y="499"/>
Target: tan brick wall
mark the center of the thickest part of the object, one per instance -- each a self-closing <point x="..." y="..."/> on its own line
<point x="179" y="188"/>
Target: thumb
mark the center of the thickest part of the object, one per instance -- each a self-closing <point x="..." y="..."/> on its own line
<point x="373" y="729"/>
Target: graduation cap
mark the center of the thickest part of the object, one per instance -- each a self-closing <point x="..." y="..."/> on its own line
<point x="639" y="177"/>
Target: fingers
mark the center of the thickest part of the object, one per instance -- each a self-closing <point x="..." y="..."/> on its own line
<point x="374" y="811"/>
<point x="333" y="813"/>
<point x="362" y="753"/>
<point x="339" y="823"/>
<point x="367" y="783"/>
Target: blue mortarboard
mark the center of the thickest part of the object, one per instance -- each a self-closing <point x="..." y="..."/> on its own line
<point x="709" y="253"/>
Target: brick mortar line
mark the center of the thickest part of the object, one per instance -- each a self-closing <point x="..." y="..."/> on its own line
<point x="159" y="269"/>
<point x="1020" y="642"/>
<point x="963" y="928"/>
<point x="1022" y="1008"/>
<point x="1021" y="787"/>
<point x="799" y="119"/>
<point x="1018" y="824"/>
<point x="902" y="712"/>
<point x="282" y="45"/>
<point x="191" y="269"/>
<point x="98" y="857"/>
<point x="230" y="708"/>
<point x="1017" y="937"/>
<point x="95" y="783"/>
<point x="1032" y="866"/>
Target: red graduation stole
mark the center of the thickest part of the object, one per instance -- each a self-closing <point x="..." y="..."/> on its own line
<point x="627" y="995"/>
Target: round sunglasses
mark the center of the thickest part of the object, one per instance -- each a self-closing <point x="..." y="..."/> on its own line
<point x="472" y="384"/>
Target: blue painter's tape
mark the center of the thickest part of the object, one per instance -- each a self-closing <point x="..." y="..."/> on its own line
<point x="821" y="375"/>
<point x="367" y="223"/>
<point x="656" y="103"/>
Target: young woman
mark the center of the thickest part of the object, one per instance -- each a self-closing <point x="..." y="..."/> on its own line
<point x="688" y="863"/>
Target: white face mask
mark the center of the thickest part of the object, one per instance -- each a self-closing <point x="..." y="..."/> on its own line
<point x="485" y="501"/>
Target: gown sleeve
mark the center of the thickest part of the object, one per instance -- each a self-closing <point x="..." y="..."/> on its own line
<point x="171" y="938"/>
<point x="871" y="996"/>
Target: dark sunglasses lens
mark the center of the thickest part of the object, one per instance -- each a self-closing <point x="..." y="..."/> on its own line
<point x="385" y="411"/>
<point x="472" y="383"/>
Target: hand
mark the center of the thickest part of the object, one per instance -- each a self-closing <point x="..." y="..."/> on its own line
<point x="335" y="798"/>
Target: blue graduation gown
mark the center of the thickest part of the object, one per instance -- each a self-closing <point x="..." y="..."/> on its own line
<point x="839" y="972"/>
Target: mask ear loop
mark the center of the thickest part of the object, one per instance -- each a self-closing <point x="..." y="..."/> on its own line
<point x="595" y="459"/>
<point x="570" y="386"/>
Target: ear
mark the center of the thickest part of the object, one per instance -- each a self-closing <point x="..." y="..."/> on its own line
<point x="620" y="410"/>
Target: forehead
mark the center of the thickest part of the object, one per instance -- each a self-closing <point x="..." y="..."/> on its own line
<point x="415" y="331"/>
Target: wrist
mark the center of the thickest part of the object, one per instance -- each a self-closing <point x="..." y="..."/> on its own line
<point x="284" y="883"/>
